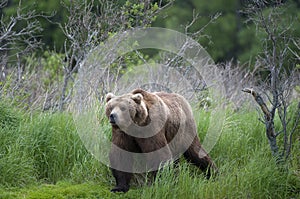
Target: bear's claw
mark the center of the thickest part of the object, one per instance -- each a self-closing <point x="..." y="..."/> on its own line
<point x="119" y="189"/>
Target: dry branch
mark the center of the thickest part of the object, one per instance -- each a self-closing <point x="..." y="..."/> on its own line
<point x="268" y="120"/>
<point x="260" y="102"/>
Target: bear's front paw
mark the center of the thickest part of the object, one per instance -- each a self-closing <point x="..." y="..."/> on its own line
<point x="120" y="189"/>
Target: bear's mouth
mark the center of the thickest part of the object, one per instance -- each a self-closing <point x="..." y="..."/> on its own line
<point x="112" y="118"/>
<point x="112" y="122"/>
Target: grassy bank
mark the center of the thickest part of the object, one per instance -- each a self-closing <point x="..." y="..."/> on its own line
<point x="42" y="156"/>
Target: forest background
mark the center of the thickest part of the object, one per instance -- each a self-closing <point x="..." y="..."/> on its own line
<point x="229" y="37"/>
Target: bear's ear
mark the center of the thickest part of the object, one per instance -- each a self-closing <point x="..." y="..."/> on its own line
<point x="109" y="96"/>
<point x="137" y="98"/>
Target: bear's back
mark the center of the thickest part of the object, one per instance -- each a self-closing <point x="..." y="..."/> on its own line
<point x="174" y="99"/>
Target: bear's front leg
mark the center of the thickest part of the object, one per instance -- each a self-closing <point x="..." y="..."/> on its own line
<point x="120" y="163"/>
<point x="122" y="181"/>
<point x="121" y="159"/>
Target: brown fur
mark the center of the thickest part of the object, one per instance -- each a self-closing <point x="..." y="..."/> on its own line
<point x="177" y="134"/>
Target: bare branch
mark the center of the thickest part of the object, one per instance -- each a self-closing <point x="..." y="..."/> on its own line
<point x="268" y="120"/>
<point x="260" y="102"/>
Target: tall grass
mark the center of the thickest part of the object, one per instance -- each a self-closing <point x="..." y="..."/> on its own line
<point x="45" y="148"/>
<point x="42" y="148"/>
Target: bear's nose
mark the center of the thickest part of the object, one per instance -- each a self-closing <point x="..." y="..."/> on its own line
<point x="112" y="118"/>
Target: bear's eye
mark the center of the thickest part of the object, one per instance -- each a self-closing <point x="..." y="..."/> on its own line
<point x="122" y="108"/>
<point x="109" y="109"/>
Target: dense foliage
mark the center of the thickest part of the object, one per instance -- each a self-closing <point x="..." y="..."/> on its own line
<point x="229" y="37"/>
<point x="54" y="14"/>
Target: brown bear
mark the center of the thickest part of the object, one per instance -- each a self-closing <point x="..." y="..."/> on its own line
<point x="156" y="127"/>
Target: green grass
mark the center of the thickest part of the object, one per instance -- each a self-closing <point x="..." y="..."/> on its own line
<point x="60" y="190"/>
<point x="42" y="156"/>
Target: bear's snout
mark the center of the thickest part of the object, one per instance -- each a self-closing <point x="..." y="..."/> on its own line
<point x="112" y="118"/>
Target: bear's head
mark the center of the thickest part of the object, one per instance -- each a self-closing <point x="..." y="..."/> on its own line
<point x="125" y="110"/>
